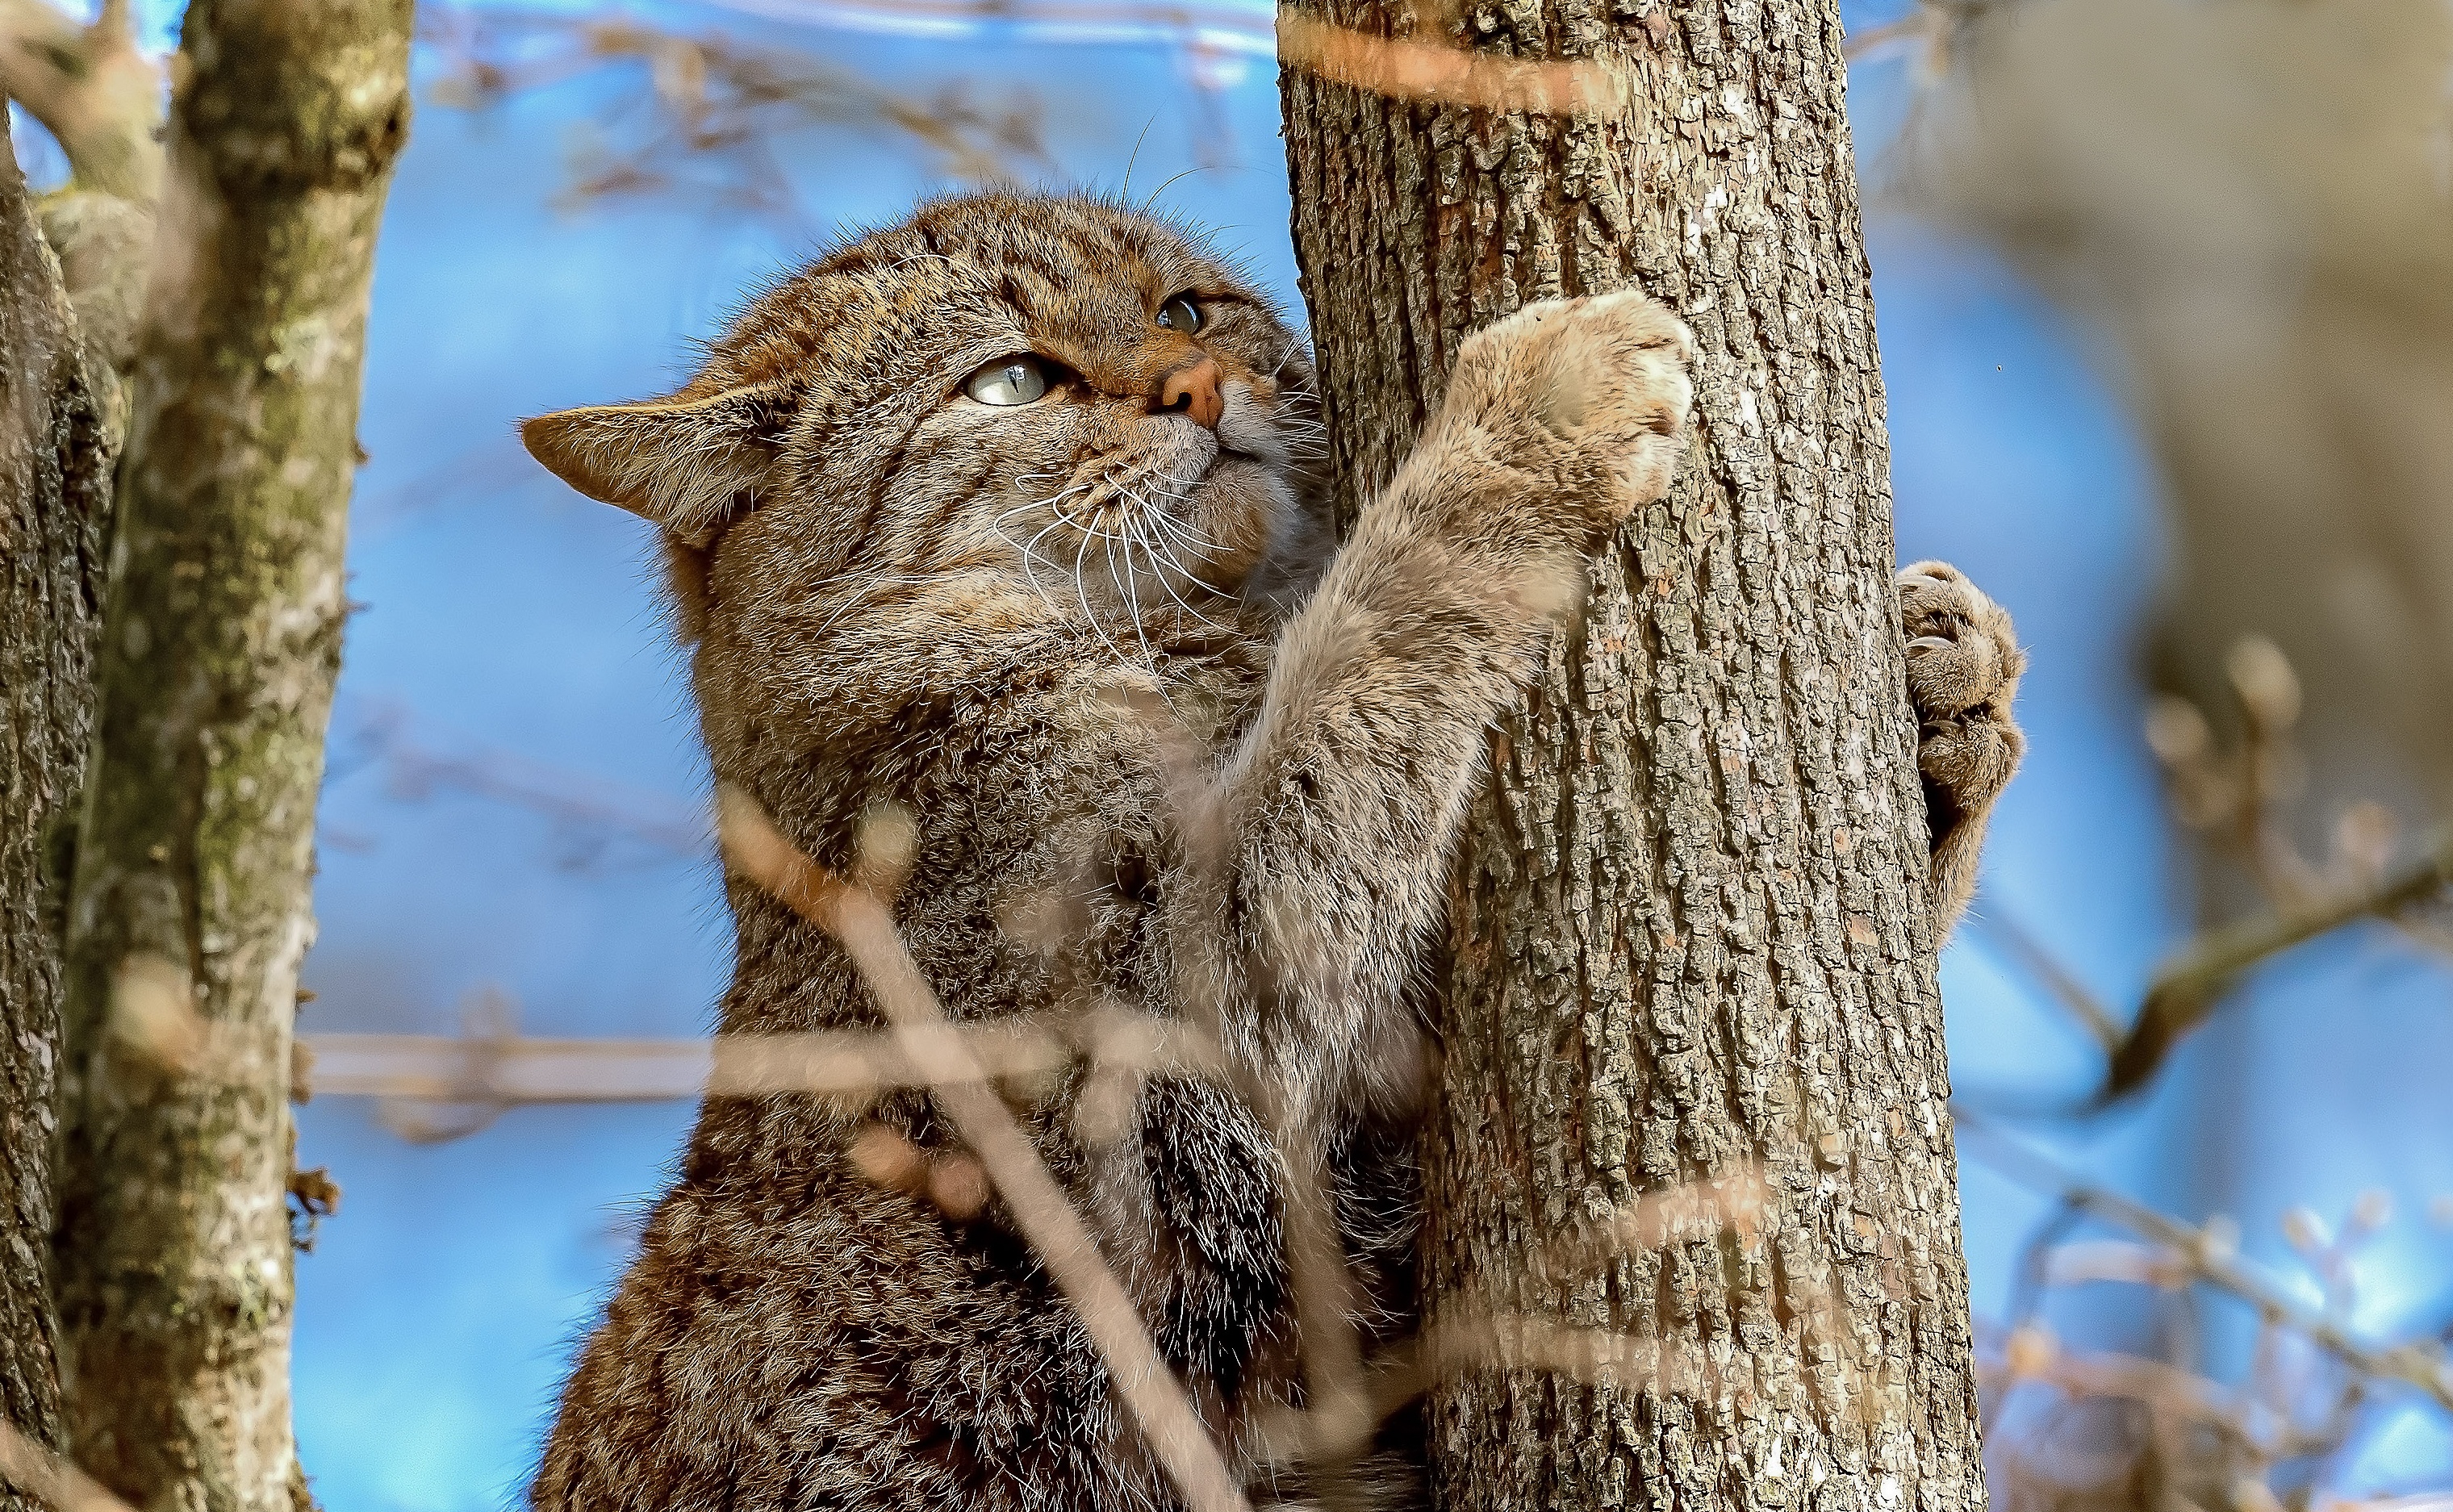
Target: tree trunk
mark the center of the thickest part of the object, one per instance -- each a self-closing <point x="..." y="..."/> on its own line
<point x="218" y="657"/>
<point x="55" y="456"/>
<point x="1688" y="935"/>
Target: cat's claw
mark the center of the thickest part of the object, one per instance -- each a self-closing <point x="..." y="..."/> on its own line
<point x="1592" y="394"/>
<point x="1963" y="655"/>
<point x="1964" y="667"/>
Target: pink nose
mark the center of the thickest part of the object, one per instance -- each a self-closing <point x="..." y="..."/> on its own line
<point x="1192" y="389"/>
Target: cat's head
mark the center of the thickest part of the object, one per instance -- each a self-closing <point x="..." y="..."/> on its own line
<point x="1057" y="393"/>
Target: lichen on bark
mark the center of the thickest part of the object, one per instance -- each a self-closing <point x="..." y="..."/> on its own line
<point x="218" y="658"/>
<point x="1689" y="936"/>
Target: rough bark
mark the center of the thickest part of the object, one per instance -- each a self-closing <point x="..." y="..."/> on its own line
<point x="1688" y="936"/>
<point x="190" y="908"/>
<point x="55" y="456"/>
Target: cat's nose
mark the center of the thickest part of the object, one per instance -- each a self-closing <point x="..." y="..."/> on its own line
<point x="1191" y="389"/>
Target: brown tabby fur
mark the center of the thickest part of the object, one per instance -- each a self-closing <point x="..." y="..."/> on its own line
<point x="1164" y="752"/>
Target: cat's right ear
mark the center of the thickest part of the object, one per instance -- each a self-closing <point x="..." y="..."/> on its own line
<point x="687" y="465"/>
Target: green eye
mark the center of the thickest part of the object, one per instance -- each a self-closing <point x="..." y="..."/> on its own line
<point x="1180" y="314"/>
<point x="1008" y="381"/>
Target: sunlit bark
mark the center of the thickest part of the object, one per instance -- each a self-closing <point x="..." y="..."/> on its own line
<point x="1688" y="936"/>
<point x="190" y="908"/>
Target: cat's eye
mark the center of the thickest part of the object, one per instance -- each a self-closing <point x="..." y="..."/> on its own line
<point x="1180" y="314"/>
<point x="1008" y="381"/>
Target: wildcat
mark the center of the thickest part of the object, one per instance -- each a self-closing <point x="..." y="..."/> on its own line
<point x="1009" y="516"/>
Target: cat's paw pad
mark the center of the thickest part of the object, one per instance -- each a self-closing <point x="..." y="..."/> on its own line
<point x="1596" y="381"/>
<point x="1964" y="669"/>
<point x="1962" y="652"/>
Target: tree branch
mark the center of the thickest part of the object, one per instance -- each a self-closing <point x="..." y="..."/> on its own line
<point x="220" y="646"/>
<point x="91" y="88"/>
<point x="2210" y="1258"/>
<point x="853" y="912"/>
<point x="2187" y="988"/>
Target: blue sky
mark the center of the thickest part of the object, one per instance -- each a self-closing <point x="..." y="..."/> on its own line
<point x="510" y="627"/>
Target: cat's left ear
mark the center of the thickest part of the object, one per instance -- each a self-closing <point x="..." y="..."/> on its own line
<point x="687" y="465"/>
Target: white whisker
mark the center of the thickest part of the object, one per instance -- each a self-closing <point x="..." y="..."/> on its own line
<point x="1160" y="548"/>
<point x="1082" y="592"/>
<point x="1197" y="544"/>
<point x="1133" y="591"/>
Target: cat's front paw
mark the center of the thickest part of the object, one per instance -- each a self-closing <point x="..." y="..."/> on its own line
<point x="1589" y="395"/>
<point x="1963" y="667"/>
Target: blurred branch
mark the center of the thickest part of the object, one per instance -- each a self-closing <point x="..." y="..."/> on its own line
<point x="91" y="88"/>
<point x="1477" y="1337"/>
<point x="2004" y="930"/>
<point x="2202" y="1445"/>
<point x="2031" y="1355"/>
<point x="2186" y="987"/>
<point x="1444" y="73"/>
<point x="1219" y="26"/>
<point x="488" y="1073"/>
<point x="710" y="99"/>
<point x="1405" y="69"/>
<point x="589" y="811"/>
<point x="49" y="1479"/>
<point x="2211" y="1255"/>
<point x="2234" y="796"/>
<point x="857" y="916"/>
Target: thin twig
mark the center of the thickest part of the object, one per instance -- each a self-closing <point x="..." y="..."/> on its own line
<point x="2187" y="988"/>
<point x="858" y="918"/>
<point x="2211" y="1259"/>
<point x="2004" y="931"/>
<point x="710" y="99"/>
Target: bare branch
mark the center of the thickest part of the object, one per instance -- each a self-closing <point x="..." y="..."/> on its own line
<point x="2211" y="1257"/>
<point x="91" y="88"/>
<point x="2187" y="988"/>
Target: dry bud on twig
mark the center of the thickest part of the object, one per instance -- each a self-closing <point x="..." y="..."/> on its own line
<point x="2262" y="678"/>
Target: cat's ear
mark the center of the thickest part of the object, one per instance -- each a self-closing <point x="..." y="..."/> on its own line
<point x="687" y="465"/>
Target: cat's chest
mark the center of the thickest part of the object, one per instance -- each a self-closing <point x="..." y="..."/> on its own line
<point x="1076" y="836"/>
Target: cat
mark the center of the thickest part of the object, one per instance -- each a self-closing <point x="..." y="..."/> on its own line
<point x="1011" y="516"/>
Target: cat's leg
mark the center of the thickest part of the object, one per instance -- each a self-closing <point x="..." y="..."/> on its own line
<point x="1334" y="823"/>
<point x="1963" y="667"/>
